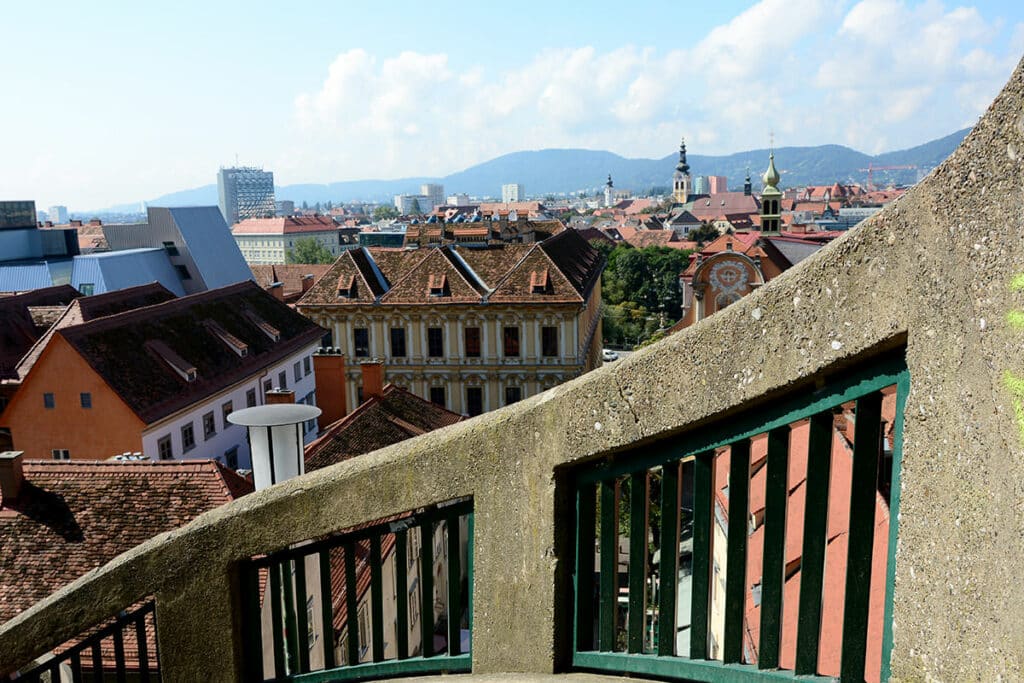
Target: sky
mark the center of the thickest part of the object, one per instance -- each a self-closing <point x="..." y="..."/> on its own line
<point x="111" y="102"/>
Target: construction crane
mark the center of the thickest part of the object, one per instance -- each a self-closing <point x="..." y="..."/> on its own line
<point x="871" y="168"/>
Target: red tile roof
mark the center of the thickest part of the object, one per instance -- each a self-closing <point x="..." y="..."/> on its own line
<point x="115" y="345"/>
<point x="284" y="226"/>
<point x="290" y="275"/>
<point x="380" y="421"/>
<point x="71" y="517"/>
<point x="19" y="330"/>
<point x="493" y="272"/>
<point x="724" y="203"/>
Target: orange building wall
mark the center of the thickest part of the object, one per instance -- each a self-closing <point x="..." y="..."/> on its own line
<point x="96" y="433"/>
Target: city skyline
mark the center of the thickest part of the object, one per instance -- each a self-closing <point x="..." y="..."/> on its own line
<point x="354" y="95"/>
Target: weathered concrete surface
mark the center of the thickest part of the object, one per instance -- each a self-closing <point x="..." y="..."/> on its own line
<point x="932" y="274"/>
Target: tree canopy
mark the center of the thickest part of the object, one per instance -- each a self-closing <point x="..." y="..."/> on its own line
<point x="384" y="212"/>
<point x="308" y="250"/>
<point x="640" y="290"/>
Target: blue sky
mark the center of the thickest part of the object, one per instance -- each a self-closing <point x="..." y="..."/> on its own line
<point x="120" y="101"/>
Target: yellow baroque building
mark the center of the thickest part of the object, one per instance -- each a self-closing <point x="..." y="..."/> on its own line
<point x="470" y="327"/>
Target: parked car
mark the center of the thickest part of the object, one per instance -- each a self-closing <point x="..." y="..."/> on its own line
<point x="608" y="355"/>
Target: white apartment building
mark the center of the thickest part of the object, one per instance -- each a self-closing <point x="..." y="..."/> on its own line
<point x="267" y="241"/>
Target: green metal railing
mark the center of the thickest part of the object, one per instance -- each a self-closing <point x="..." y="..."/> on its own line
<point x="642" y="607"/>
<point x="124" y="649"/>
<point x="387" y="599"/>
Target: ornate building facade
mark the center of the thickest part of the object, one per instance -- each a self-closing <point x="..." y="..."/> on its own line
<point x="470" y="327"/>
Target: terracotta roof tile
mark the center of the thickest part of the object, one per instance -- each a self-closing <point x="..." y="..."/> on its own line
<point x="284" y="226"/>
<point x="394" y="416"/>
<point x="18" y="329"/>
<point x="473" y="274"/>
<point x="74" y="516"/>
<point x="290" y="275"/>
<point x="115" y="345"/>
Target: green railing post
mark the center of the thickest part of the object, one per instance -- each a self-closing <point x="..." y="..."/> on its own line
<point x="249" y="578"/>
<point x="609" y="565"/>
<point x="668" y="567"/>
<point x="454" y="586"/>
<point x="637" y="560"/>
<point x="291" y="640"/>
<point x="351" y="603"/>
<point x="736" y="570"/>
<point x="427" y="587"/>
<point x="302" y="625"/>
<point x="776" y="493"/>
<point x="867" y="441"/>
<point x="377" y="598"/>
<point x="276" y="620"/>
<point x="812" y="564"/>
<point x="327" y="608"/>
<point x="402" y="594"/>
<point x="586" y="530"/>
<point x="703" y="518"/>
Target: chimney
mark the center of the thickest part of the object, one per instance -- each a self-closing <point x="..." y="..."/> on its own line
<point x="279" y="396"/>
<point x="331" y="385"/>
<point x="11" y="476"/>
<point x="307" y="282"/>
<point x="276" y="289"/>
<point x="373" y="378"/>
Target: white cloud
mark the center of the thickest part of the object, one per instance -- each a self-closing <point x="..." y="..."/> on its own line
<point x="892" y="73"/>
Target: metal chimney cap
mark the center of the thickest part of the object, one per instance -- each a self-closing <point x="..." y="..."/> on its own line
<point x="274" y="415"/>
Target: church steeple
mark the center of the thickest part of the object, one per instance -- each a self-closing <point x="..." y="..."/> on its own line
<point x="771" y="197"/>
<point x="747" y="189"/>
<point x="681" y="182"/>
<point x="609" y="192"/>
<point x="682" y="166"/>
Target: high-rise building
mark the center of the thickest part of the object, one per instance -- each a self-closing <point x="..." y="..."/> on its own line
<point x="513" y="192"/>
<point x="58" y="214"/>
<point x="245" y="192"/>
<point x="717" y="183"/>
<point x="434" y="194"/>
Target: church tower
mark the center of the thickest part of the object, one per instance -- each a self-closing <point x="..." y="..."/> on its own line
<point x="681" y="183"/>
<point x="747" y="190"/>
<point x="609" y="193"/>
<point x="771" y="198"/>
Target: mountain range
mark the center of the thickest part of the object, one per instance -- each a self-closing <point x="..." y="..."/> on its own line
<point x="555" y="171"/>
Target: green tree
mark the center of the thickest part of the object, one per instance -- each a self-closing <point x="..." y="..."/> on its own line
<point x="705" y="233"/>
<point x="307" y="250"/>
<point x="385" y="212"/>
<point x="640" y="290"/>
<point x="415" y="208"/>
<point x="329" y="205"/>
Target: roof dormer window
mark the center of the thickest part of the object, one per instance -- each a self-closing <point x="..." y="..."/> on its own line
<point x="231" y="341"/>
<point x="273" y="334"/>
<point x="182" y="367"/>
<point x="540" y="282"/>
<point x="347" y="287"/>
<point x="438" y="285"/>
